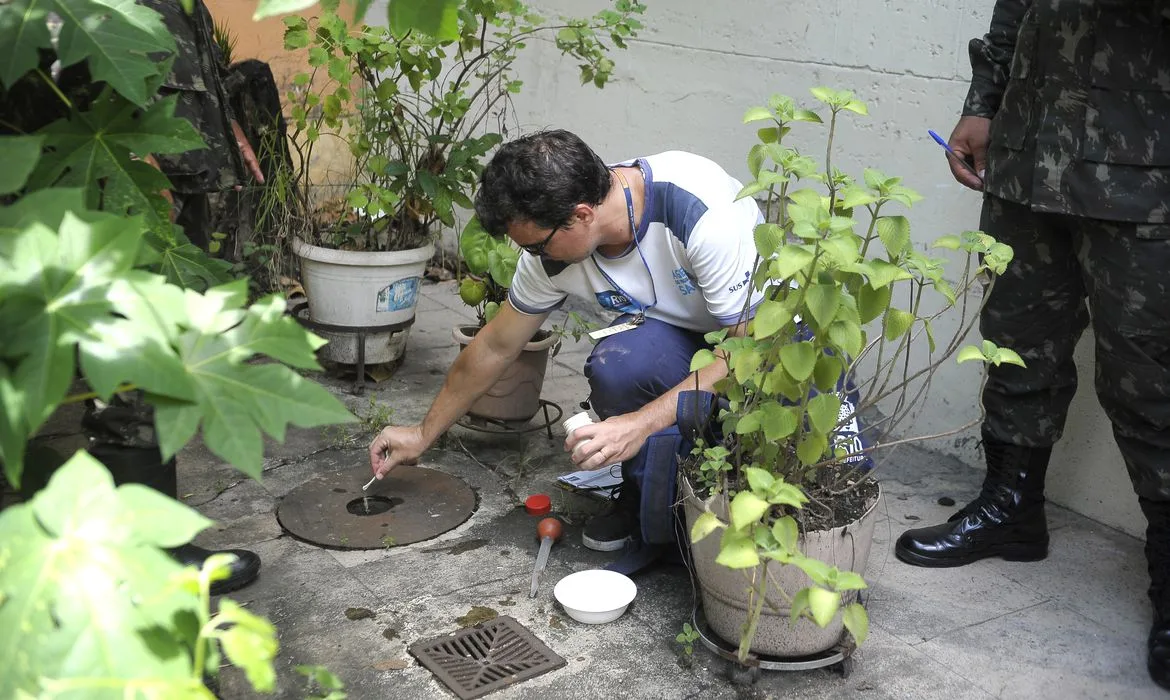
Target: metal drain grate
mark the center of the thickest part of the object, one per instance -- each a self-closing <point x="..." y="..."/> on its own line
<point x="481" y="659"/>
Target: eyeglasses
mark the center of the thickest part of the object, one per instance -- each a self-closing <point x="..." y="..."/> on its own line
<point x="538" y="248"/>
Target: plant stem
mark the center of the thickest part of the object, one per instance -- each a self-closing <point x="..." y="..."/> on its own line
<point x="78" y="398"/>
<point x="756" y="609"/>
<point x="53" y="86"/>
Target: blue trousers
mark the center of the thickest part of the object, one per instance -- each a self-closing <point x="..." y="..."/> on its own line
<point x="626" y="371"/>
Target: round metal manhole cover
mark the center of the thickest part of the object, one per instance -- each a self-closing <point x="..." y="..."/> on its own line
<point x="410" y="505"/>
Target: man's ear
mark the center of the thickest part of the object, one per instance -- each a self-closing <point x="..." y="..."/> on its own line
<point x="584" y="214"/>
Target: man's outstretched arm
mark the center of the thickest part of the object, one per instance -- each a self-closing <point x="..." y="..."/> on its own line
<point x="475" y="370"/>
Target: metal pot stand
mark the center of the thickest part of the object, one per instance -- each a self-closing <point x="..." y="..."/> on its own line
<point x="838" y="658"/>
<point x="495" y="426"/>
<point x="300" y="311"/>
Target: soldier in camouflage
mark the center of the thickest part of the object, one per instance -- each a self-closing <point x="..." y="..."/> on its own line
<point x="197" y="77"/>
<point x="1068" y="123"/>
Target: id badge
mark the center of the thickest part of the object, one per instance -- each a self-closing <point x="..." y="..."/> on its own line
<point x="618" y="328"/>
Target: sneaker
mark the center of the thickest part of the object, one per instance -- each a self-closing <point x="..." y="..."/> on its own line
<point x="609" y="532"/>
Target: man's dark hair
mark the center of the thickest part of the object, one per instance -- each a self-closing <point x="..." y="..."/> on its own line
<point x="540" y="178"/>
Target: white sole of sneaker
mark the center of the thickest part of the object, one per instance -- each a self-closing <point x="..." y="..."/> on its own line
<point x="600" y="546"/>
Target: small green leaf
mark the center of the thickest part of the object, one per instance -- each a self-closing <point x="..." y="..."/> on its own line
<point x="897" y="323"/>
<point x="827" y="372"/>
<point x="250" y="643"/>
<point x="799" y="359"/>
<point x="1011" y="357"/>
<point x="786" y="533"/>
<point x="759" y="479"/>
<point x="823" y="604"/>
<point x="704" y="525"/>
<point x="948" y="242"/>
<point x="702" y="358"/>
<point x="779" y="421"/>
<point x="849" y="581"/>
<point x="790" y="260"/>
<point x="812" y="448"/>
<point x="755" y="114"/>
<point x="856" y="621"/>
<point x="856" y="106"/>
<point x="822" y="300"/>
<point x="799" y="605"/>
<point x="747" y="508"/>
<point x="855" y="196"/>
<point x="737" y="550"/>
<point x="895" y="234"/>
<point x="768" y="238"/>
<point x="770" y="317"/>
<point x="823" y="410"/>
<point x="969" y="353"/>
<point x="872" y="302"/>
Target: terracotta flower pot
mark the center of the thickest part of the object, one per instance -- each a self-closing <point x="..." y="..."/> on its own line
<point x="725" y="591"/>
<point x="516" y="396"/>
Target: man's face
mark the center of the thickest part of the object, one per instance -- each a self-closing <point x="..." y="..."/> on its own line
<point x="570" y="243"/>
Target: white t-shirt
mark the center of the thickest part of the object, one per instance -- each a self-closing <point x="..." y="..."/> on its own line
<point x="692" y="262"/>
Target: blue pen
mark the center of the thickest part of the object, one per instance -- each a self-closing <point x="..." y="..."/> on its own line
<point x="959" y="159"/>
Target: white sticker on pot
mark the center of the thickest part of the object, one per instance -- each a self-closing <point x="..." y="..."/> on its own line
<point x="398" y="296"/>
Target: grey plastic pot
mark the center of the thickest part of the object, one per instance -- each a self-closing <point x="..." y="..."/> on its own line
<point x="516" y="396"/>
<point x="725" y="591"/>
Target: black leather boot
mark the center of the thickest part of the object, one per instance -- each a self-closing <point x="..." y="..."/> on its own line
<point x="1158" y="560"/>
<point x="1006" y="520"/>
<point x="144" y="465"/>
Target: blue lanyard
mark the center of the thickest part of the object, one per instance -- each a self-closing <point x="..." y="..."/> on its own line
<point x="642" y="309"/>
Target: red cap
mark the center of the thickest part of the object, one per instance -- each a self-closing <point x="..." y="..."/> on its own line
<point x="538" y="504"/>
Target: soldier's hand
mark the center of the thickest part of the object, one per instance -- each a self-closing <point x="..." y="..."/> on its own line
<point x="396" y="445"/>
<point x="969" y="140"/>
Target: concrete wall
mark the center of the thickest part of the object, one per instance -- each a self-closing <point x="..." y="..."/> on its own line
<point x="687" y="80"/>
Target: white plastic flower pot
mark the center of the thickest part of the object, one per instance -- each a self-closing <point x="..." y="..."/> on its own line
<point x="361" y="289"/>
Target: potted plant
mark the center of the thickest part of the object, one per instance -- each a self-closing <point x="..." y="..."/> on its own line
<point x="412" y="110"/>
<point x="491" y="263"/>
<point x="773" y="479"/>
<point x="90" y="604"/>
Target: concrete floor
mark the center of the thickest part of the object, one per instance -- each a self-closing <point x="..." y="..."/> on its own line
<point x="1072" y="626"/>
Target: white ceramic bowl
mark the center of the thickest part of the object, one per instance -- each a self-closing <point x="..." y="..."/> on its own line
<point x="595" y="596"/>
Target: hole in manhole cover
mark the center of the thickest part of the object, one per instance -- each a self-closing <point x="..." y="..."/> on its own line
<point x="478" y="660"/>
<point x="371" y="505"/>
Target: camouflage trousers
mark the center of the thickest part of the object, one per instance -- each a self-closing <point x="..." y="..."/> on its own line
<point x="1067" y="270"/>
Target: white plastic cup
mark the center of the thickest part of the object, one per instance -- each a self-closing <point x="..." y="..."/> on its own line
<point x="576" y="421"/>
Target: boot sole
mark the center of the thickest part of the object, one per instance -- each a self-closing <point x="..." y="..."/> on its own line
<point x="604" y="545"/>
<point x="1007" y="552"/>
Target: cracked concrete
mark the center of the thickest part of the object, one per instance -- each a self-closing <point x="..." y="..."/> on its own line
<point x="1072" y="626"/>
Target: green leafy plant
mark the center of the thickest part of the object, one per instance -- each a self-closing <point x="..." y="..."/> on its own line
<point x="412" y="108"/>
<point x="491" y="264"/>
<point x="687" y="638"/>
<point x="845" y="289"/>
<point x="92" y="279"/>
<point x="323" y="685"/>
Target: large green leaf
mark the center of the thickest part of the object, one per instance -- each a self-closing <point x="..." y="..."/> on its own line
<point x="236" y="401"/>
<point x="19" y="154"/>
<point x="269" y="8"/>
<point x="23" y="31"/>
<point x="84" y="588"/>
<point x="799" y="359"/>
<point x="823" y="410"/>
<point x="53" y="288"/>
<point x="114" y="36"/>
<point x="94" y="150"/>
<point x="47" y="207"/>
<point x="438" y="18"/>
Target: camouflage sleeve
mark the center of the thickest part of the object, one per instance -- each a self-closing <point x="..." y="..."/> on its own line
<point x="991" y="58"/>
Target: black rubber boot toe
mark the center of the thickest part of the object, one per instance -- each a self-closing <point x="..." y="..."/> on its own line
<point x="243" y="570"/>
